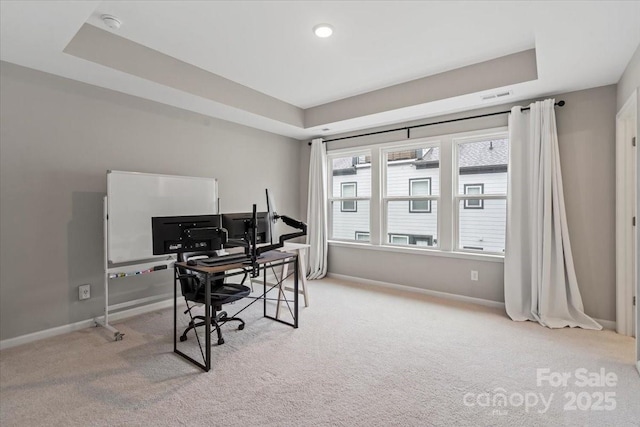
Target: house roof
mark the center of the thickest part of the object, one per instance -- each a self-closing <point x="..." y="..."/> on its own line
<point x="342" y="163"/>
<point x="485" y="153"/>
<point x="471" y="155"/>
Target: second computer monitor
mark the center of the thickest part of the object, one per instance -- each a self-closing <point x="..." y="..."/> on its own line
<point x="178" y="234"/>
<point x="238" y="226"/>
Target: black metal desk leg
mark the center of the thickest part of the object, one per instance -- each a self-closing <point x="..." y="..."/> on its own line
<point x="207" y="322"/>
<point x="295" y="292"/>
<point x="175" y="308"/>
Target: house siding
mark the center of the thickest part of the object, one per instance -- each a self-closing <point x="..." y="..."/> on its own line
<point x="479" y="228"/>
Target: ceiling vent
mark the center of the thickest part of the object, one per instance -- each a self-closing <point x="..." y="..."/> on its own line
<point x="497" y="95"/>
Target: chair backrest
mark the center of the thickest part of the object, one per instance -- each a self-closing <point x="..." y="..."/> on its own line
<point x="190" y="286"/>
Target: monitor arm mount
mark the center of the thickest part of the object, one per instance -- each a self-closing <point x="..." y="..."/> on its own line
<point x="251" y="248"/>
<point x="293" y="223"/>
<point x="249" y="241"/>
<point x="196" y="233"/>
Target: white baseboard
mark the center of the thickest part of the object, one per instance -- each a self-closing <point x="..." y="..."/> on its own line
<point x="144" y="306"/>
<point x="606" y="324"/>
<point x="445" y="295"/>
<point x="64" y="329"/>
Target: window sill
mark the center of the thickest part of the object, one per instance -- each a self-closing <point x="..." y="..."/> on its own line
<point x="416" y="251"/>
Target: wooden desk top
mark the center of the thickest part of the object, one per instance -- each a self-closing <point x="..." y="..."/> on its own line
<point x="265" y="258"/>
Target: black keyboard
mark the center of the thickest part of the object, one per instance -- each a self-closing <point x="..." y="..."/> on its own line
<point x="225" y="259"/>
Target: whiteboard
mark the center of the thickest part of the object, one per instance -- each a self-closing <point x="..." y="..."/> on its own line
<point x="134" y="198"/>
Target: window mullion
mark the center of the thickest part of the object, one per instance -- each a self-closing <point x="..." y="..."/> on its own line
<point x="376" y="204"/>
<point x="481" y="196"/>
<point x="334" y="199"/>
<point x="405" y="198"/>
<point x="445" y="205"/>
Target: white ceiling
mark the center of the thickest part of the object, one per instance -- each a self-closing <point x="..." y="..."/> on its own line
<point x="269" y="46"/>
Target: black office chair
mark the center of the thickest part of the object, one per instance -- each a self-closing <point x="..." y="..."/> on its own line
<point x="192" y="286"/>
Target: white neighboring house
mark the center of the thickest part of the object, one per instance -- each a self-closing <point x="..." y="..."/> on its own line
<point x="482" y="170"/>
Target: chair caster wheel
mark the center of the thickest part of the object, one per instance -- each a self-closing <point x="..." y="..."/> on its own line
<point x="221" y="341"/>
<point x="183" y="338"/>
<point x="241" y="327"/>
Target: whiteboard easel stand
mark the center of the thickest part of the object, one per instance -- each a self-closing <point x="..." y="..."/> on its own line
<point x="104" y="320"/>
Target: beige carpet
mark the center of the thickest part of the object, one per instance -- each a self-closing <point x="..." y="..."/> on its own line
<point x="361" y="357"/>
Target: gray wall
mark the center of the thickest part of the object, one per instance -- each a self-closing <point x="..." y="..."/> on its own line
<point x="499" y="72"/>
<point x="629" y="80"/>
<point x="586" y="132"/>
<point x="58" y="138"/>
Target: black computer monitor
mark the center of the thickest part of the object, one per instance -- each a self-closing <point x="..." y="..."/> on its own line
<point x="177" y="234"/>
<point x="238" y="226"/>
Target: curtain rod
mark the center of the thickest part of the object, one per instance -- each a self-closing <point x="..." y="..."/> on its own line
<point x="408" y="128"/>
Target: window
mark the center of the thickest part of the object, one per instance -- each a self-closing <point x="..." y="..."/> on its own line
<point x="481" y="196"/>
<point x="398" y="239"/>
<point x="411" y="239"/>
<point x="420" y="187"/>
<point x="423" y="240"/>
<point x="473" y="189"/>
<point x="349" y="189"/>
<point x="393" y="194"/>
<point x="349" y="195"/>
<point x="362" y="236"/>
<point x="411" y="210"/>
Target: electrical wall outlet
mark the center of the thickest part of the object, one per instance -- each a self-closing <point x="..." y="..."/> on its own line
<point x="84" y="292"/>
<point x="474" y="275"/>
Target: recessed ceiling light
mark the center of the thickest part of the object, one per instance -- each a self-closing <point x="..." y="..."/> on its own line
<point x="111" y="21"/>
<point x="323" y="30"/>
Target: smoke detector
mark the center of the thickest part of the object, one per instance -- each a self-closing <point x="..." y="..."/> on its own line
<point x="111" y="21"/>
